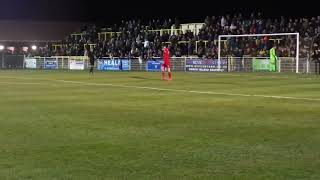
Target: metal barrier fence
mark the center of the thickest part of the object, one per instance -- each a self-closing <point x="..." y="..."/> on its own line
<point x="233" y="64"/>
<point x="285" y="64"/>
<point x="177" y="64"/>
<point x="62" y="61"/>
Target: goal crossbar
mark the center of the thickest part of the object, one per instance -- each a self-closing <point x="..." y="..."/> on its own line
<point x="260" y="35"/>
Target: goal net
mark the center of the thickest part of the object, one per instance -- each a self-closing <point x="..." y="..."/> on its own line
<point x="251" y="52"/>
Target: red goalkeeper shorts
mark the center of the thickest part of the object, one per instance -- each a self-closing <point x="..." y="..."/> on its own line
<point x="166" y="65"/>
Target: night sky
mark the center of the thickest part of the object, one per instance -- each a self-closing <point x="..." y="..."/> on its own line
<point x="107" y="11"/>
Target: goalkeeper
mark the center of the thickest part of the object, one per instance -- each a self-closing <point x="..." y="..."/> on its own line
<point x="273" y="59"/>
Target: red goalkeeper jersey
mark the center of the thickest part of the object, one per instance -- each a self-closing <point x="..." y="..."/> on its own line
<point x="166" y="56"/>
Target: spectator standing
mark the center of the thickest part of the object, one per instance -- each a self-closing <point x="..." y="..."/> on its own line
<point x="316" y="59"/>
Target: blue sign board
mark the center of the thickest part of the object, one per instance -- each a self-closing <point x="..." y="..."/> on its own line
<point x="114" y="64"/>
<point x="51" y="63"/>
<point x="154" y="65"/>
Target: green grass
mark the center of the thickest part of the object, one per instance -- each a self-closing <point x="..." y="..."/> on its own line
<point x="57" y="130"/>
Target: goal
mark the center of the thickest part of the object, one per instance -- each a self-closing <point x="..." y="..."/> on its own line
<point x="250" y="52"/>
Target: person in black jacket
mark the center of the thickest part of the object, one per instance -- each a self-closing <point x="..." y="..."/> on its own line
<point x="316" y="58"/>
<point x="90" y="55"/>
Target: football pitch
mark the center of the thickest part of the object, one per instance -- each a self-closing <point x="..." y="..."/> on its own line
<point x="69" y="125"/>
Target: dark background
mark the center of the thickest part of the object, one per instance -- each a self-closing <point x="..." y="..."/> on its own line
<point x="110" y="12"/>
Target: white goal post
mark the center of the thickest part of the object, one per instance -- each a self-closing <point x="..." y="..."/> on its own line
<point x="260" y="35"/>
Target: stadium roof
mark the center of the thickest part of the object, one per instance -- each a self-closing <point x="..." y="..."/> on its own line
<point x="24" y="31"/>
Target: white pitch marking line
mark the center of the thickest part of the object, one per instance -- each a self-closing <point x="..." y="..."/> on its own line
<point x="188" y="91"/>
<point x="23" y="83"/>
<point x="177" y="90"/>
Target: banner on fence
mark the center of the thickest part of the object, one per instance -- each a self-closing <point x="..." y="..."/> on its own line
<point x="51" y="63"/>
<point x="76" y="64"/>
<point x="114" y="64"/>
<point x="261" y="64"/>
<point x="206" y="65"/>
<point x="30" y="63"/>
<point x="154" y="65"/>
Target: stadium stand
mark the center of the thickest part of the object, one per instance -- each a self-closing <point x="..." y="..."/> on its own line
<point x="136" y="39"/>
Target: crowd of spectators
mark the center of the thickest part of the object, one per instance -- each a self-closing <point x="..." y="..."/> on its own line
<point x="308" y="28"/>
<point x="138" y="39"/>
